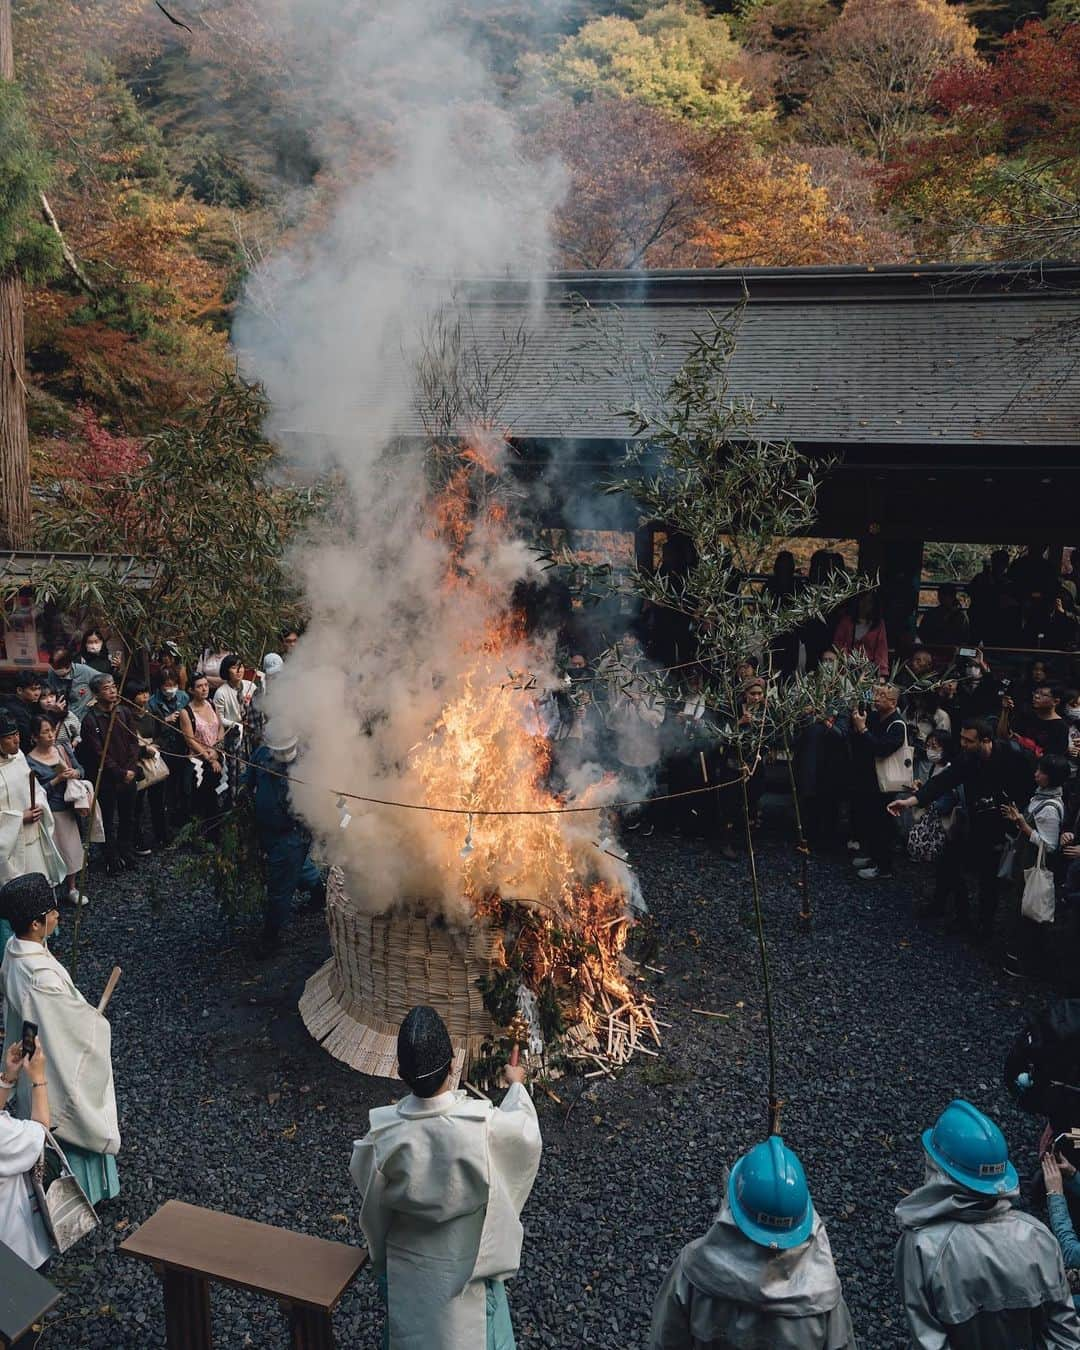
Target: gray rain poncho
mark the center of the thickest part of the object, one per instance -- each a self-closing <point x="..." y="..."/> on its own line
<point x="976" y="1274"/>
<point x="725" y="1292"/>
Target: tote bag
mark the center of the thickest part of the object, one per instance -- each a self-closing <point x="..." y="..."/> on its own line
<point x="1037" y="903"/>
<point x="894" y="771"/>
<point x="61" y="1201"/>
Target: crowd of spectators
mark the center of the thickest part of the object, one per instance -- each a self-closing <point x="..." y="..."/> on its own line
<point x="139" y="747"/>
<point x="962" y="757"/>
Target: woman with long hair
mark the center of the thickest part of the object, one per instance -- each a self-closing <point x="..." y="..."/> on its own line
<point x="204" y="734"/>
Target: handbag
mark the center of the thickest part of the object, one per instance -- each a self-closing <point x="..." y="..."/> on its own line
<point x="1037" y="903"/>
<point x="926" y="840"/>
<point x="62" y="1203"/>
<point x="153" y="766"/>
<point x="894" y="772"/>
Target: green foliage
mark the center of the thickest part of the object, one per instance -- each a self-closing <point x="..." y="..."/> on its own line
<point x="25" y="241"/>
<point x="213" y="175"/>
<point x="677" y="58"/>
<point x="208" y="512"/>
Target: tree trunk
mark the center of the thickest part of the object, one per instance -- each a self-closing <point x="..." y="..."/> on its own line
<point x="14" y="438"/>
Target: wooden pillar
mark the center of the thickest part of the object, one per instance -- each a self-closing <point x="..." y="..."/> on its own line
<point x="898" y="566"/>
<point x="187" y="1311"/>
<point x="644" y="544"/>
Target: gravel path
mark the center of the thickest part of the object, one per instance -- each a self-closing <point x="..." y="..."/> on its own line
<point x="226" y="1102"/>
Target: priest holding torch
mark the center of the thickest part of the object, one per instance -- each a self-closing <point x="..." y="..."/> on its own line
<point x="444" y="1178"/>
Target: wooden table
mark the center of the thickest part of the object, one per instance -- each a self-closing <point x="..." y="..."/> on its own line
<point x="192" y="1247"/>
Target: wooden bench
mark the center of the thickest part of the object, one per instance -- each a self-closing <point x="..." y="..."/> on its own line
<point x="191" y="1248"/>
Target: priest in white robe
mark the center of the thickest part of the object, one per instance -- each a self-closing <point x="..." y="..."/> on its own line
<point x="37" y="988"/>
<point x="444" y="1178"/>
<point x="26" y="828"/>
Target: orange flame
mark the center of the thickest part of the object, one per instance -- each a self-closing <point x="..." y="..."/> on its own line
<point x="489" y="752"/>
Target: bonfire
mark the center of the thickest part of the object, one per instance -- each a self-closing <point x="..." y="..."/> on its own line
<point x="535" y="866"/>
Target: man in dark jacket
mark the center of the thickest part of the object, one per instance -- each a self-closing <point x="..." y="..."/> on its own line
<point x="879" y="741"/>
<point x="282" y="838"/>
<point x="993" y="774"/>
<point x="24" y="705"/>
<point x="116" y="754"/>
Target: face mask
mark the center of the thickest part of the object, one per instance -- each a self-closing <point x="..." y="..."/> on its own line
<point x="93" y="648"/>
<point x="934" y="756"/>
<point x="168" y="695"/>
<point x="1073" y="713"/>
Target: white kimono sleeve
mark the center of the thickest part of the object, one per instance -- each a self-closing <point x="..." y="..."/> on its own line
<point x="374" y="1216"/>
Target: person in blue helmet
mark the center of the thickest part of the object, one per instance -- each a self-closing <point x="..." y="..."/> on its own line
<point x="975" y="1273"/>
<point x="763" y="1274"/>
<point x="282" y="838"/>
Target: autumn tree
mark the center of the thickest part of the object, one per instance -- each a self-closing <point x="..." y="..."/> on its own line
<point x="678" y="58"/>
<point x="874" y="68"/>
<point x="650" y="191"/>
<point x="1000" y="176"/>
<point x="786" y="31"/>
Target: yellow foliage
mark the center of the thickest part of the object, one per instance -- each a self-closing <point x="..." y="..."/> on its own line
<point x="678" y="58"/>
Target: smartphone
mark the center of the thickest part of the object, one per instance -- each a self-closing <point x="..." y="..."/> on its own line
<point x="29" y="1039"/>
<point x="969" y="653"/>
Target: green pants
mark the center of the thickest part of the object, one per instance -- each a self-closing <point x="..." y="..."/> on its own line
<point x="500" y="1331"/>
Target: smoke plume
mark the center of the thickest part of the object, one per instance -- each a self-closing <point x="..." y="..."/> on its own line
<point x="345" y="318"/>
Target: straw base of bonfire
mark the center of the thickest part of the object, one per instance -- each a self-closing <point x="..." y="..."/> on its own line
<point x="384" y="965"/>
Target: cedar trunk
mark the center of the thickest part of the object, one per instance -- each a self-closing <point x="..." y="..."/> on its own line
<point x="14" y="438"/>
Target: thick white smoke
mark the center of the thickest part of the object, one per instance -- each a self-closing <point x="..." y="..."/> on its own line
<point x="352" y="309"/>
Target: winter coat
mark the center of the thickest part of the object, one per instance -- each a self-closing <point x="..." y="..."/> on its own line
<point x="874" y="643"/>
<point x="725" y="1292"/>
<point x="976" y="1274"/>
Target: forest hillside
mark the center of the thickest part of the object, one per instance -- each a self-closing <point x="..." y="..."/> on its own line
<point x="179" y="143"/>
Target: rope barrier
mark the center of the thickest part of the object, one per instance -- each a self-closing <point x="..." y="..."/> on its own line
<point x="453" y="810"/>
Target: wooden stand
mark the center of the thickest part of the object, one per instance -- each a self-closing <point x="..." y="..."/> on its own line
<point x="191" y="1248"/>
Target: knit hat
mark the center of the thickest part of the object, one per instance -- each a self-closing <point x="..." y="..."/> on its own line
<point x="424" y="1051"/>
<point x="24" y="899"/>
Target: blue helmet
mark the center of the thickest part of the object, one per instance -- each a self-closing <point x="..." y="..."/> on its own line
<point x="769" y="1197"/>
<point x="971" y="1149"/>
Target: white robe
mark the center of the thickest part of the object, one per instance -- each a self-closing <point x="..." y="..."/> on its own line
<point x="25" y="848"/>
<point x="77" y="1040"/>
<point x="444" y="1181"/>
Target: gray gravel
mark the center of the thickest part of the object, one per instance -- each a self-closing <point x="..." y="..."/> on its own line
<point x="225" y="1101"/>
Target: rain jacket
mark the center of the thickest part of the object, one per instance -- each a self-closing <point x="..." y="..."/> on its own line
<point x="976" y="1274"/>
<point x="725" y="1292"/>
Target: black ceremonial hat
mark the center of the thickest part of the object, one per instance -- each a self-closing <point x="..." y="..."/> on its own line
<point x="424" y="1051"/>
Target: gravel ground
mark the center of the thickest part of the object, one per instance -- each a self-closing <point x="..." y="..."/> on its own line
<point x="226" y="1102"/>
